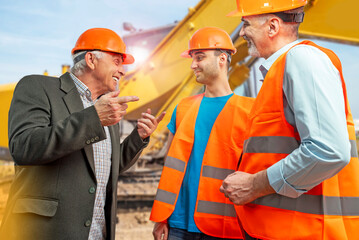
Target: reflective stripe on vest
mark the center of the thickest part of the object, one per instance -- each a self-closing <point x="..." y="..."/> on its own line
<point x="216" y="173"/>
<point x="353" y="149"/>
<point x="208" y="171"/>
<point x="313" y="204"/>
<point x="203" y="206"/>
<point x="222" y="209"/>
<point x="165" y="196"/>
<point x="270" y="144"/>
<point x="175" y="163"/>
<point x="329" y="210"/>
<point x="214" y="214"/>
<point x="279" y="144"/>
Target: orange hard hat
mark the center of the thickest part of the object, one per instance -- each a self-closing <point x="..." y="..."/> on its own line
<point x="103" y="39"/>
<point x="256" y="7"/>
<point x="209" y="38"/>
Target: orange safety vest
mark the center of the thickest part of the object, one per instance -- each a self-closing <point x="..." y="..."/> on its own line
<point x="214" y="214"/>
<point x="328" y="211"/>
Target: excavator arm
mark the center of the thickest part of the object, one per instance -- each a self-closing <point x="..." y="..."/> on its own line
<point x="166" y="78"/>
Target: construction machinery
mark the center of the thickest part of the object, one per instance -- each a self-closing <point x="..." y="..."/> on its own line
<point x="165" y="78"/>
<point x="6" y="92"/>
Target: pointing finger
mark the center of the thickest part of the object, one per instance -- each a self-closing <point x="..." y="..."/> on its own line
<point x="126" y="99"/>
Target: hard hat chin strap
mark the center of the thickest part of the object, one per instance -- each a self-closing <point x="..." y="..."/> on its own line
<point x="290" y="17"/>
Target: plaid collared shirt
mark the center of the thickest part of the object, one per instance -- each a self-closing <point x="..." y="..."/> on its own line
<point x="102" y="156"/>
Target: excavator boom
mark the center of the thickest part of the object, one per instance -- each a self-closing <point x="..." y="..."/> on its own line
<point x="165" y="78"/>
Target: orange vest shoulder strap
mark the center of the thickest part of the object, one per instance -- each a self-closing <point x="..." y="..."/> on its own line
<point x="184" y="105"/>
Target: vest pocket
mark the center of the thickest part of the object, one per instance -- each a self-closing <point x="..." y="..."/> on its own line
<point x="42" y="207"/>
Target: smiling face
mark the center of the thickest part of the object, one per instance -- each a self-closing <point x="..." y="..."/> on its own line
<point x="109" y="70"/>
<point x="205" y="65"/>
<point x="254" y="32"/>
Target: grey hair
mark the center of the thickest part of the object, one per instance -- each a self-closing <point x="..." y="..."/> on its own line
<point x="294" y="27"/>
<point x="291" y="27"/>
<point x="80" y="65"/>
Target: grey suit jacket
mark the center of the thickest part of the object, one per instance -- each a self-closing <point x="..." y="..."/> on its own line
<point x="50" y="140"/>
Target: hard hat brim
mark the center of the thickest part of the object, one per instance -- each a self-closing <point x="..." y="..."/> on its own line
<point x="235" y="13"/>
<point x="185" y="54"/>
<point x="128" y="58"/>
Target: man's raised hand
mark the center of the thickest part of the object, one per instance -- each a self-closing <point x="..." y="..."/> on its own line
<point x="111" y="108"/>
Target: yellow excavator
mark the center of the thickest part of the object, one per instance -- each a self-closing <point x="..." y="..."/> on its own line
<point x="165" y="77"/>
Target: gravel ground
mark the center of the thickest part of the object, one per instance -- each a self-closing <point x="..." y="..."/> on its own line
<point x="134" y="225"/>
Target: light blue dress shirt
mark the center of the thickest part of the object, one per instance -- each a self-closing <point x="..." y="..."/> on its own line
<point x="314" y="104"/>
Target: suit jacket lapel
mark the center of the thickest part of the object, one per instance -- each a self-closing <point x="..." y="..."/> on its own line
<point x="114" y="133"/>
<point x="74" y="104"/>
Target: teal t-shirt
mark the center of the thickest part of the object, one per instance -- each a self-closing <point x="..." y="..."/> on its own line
<point x="182" y="216"/>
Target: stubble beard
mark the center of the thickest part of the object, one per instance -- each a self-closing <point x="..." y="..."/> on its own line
<point x="252" y="49"/>
<point x="207" y="73"/>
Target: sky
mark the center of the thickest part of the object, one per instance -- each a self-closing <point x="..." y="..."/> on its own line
<point x="38" y="35"/>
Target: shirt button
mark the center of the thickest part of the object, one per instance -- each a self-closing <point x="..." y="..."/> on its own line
<point x="88" y="223"/>
<point x="88" y="142"/>
<point x="92" y="190"/>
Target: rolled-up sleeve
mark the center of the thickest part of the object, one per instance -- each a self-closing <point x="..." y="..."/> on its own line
<point x="314" y="104"/>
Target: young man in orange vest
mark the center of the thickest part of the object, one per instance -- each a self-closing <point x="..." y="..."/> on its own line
<point x="299" y="174"/>
<point x="206" y="136"/>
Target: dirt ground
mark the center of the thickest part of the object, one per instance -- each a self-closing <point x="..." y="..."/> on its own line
<point x="134" y="225"/>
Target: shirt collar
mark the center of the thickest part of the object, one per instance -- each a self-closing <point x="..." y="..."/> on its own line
<point x="266" y="65"/>
<point x="83" y="90"/>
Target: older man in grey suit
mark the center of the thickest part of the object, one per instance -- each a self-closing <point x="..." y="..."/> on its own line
<point x="64" y="139"/>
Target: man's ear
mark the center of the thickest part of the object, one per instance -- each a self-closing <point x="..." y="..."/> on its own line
<point x="223" y="58"/>
<point x="274" y="26"/>
<point x="90" y="59"/>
